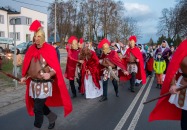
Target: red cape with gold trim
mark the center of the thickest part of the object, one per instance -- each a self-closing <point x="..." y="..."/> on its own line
<point x="164" y="110"/>
<point x="141" y="72"/>
<point x="60" y="95"/>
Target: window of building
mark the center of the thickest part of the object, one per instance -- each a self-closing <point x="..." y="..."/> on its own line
<point x="1" y="19"/>
<point x="28" y="37"/>
<point x="2" y="34"/>
<point x="42" y="22"/>
<point x="28" y="21"/>
<point x="17" y="35"/>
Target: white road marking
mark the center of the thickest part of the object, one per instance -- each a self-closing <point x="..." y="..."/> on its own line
<point x="129" y="110"/>
<point x="140" y="108"/>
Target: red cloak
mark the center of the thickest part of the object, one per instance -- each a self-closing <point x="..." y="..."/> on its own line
<point x="60" y="96"/>
<point x="141" y="72"/>
<point x="149" y="64"/>
<point x="92" y="65"/>
<point x="71" y="64"/>
<point x="164" y="110"/>
<point x="115" y="59"/>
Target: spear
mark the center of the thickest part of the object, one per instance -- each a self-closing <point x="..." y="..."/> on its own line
<point x="11" y="76"/>
<point x="164" y="95"/>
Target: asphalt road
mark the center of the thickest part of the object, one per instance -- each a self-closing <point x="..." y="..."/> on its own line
<point x="117" y="113"/>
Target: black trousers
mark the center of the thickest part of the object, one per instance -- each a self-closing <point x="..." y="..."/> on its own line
<point x="79" y="81"/>
<point x="72" y="85"/>
<point x="105" y="87"/>
<point x="184" y="120"/>
<point x="40" y="109"/>
<point x="149" y="73"/>
<point x="132" y="80"/>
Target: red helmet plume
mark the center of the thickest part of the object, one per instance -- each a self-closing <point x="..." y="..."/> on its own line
<point x="35" y="26"/>
<point x="133" y="38"/>
<point x="81" y="41"/>
<point x="102" y="42"/>
<point x="70" y="40"/>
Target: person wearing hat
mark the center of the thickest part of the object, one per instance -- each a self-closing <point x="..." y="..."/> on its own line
<point x="166" y="53"/>
<point x="111" y="63"/>
<point x="135" y="63"/>
<point x="72" y="61"/>
<point x="174" y="106"/>
<point x="45" y="84"/>
<point x="159" y="66"/>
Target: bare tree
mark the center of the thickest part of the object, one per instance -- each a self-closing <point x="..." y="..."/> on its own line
<point x="91" y="19"/>
<point x="174" y="21"/>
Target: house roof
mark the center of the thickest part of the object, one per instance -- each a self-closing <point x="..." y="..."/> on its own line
<point x="9" y="11"/>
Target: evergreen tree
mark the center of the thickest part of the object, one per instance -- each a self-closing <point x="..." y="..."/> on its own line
<point x="160" y="39"/>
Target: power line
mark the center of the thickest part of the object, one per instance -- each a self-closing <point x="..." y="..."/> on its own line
<point x="43" y="1"/>
<point x="29" y="3"/>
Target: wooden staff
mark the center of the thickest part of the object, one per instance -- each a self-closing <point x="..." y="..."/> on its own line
<point x="164" y="95"/>
<point x="11" y="76"/>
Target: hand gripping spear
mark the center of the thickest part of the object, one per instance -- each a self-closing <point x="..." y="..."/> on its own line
<point x="11" y="76"/>
<point x="164" y="95"/>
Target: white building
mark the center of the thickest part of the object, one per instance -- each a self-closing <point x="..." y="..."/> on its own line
<point x="24" y="18"/>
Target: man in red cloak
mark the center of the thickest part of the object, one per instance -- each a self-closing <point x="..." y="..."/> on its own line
<point x="45" y="84"/>
<point x="174" y="107"/>
<point x="111" y="61"/>
<point x="72" y="61"/>
<point x="135" y="63"/>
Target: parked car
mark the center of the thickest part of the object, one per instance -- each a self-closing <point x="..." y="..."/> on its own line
<point x="22" y="47"/>
<point x="28" y="45"/>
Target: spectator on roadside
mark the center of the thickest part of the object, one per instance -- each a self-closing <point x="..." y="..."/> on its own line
<point x="19" y="61"/>
<point x="57" y="50"/>
<point x="159" y="66"/>
<point x="1" y="61"/>
<point x="172" y="51"/>
<point x="149" y="63"/>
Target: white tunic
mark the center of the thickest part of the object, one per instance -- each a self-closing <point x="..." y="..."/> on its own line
<point x="91" y="90"/>
<point x="174" y="97"/>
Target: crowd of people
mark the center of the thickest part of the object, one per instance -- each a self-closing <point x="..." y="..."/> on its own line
<point x="116" y="61"/>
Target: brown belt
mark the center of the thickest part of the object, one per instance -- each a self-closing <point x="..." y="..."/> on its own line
<point x="131" y="62"/>
<point x="42" y="80"/>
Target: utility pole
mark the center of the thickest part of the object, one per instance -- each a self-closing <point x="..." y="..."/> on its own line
<point x="55" y="23"/>
<point x="13" y="22"/>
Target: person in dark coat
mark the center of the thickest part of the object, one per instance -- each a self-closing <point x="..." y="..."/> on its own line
<point x="57" y="51"/>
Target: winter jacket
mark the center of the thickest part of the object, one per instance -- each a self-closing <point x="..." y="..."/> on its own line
<point x="159" y="66"/>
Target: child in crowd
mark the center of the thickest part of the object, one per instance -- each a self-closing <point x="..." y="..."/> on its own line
<point x="159" y="67"/>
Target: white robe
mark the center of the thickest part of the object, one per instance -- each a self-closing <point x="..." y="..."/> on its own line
<point x="91" y="91"/>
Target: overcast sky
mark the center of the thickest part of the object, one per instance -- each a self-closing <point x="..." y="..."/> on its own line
<point x="145" y="12"/>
